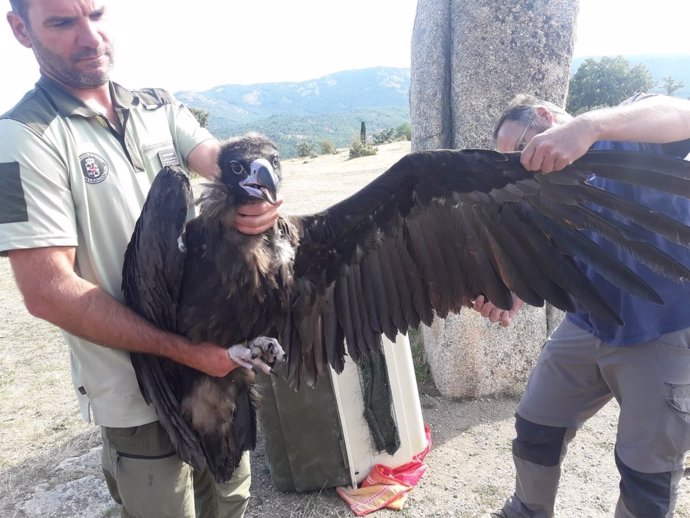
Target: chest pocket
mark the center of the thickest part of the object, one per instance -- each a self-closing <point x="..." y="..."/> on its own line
<point x="150" y="130"/>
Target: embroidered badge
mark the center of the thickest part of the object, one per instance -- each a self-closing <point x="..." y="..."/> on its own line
<point x="93" y="167"/>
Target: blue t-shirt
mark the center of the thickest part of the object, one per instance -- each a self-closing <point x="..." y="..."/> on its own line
<point x="644" y="320"/>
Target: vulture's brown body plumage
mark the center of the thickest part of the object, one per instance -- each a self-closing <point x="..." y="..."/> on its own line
<point x="423" y="239"/>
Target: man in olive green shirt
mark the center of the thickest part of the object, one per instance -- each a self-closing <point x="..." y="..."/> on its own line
<point x="77" y="157"/>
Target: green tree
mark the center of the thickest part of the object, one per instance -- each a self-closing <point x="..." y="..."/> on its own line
<point x="670" y="85"/>
<point x="201" y="115"/>
<point x="607" y="82"/>
<point x="363" y="133"/>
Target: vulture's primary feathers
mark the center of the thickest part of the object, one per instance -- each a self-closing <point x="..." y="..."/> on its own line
<point x="425" y="238"/>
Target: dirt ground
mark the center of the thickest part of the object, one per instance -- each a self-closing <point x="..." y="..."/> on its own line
<point x="470" y="470"/>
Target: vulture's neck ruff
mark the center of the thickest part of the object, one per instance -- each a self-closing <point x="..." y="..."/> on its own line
<point x="216" y="203"/>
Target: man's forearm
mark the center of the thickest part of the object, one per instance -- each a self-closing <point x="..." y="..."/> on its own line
<point x="61" y="297"/>
<point x="657" y="119"/>
<point x="203" y="159"/>
<point x="116" y="326"/>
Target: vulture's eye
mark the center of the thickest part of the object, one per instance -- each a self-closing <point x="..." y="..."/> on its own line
<point x="236" y="167"/>
<point x="275" y="162"/>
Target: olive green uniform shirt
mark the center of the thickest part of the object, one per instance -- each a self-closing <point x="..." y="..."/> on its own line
<point x="67" y="178"/>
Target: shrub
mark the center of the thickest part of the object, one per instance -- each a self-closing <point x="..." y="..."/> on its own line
<point x="328" y="148"/>
<point x="305" y="149"/>
<point x="384" y="136"/>
<point x="388" y="135"/>
<point x="357" y="149"/>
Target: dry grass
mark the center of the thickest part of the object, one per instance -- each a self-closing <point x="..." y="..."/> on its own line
<point x="40" y="424"/>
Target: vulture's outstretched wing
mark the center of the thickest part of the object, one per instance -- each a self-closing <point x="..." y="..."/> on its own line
<point x="440" y="228"/>
<point x="435" y="231"/>
<point x="151" y="281"/>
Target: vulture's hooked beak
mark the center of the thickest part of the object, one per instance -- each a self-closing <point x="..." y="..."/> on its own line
<point x="262" y="182"/>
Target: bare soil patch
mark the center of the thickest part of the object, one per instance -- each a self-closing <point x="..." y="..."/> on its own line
<point x="470" y="469"/>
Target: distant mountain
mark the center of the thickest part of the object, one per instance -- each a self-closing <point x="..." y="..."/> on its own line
<point x="331" y="107"/>
<point x="659" y="65"/>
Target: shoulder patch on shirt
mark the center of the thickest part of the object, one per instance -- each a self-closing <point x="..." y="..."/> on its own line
<point x="94" y="168"/>
<point x="35" y="110"/>
<point x="13" y="206"/>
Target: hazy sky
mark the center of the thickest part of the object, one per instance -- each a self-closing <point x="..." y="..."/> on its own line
<point x="221" y="42"/>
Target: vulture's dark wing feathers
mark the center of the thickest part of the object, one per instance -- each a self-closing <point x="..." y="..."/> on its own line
<point x="152" y="285"/>
<point x="425" y="238"/>
<point x="668" y="174"/>
<point x="440" y="228"/>
<point x="151" y="280"/>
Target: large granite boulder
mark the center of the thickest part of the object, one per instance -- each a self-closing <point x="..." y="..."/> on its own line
<point x="469" y="58"/>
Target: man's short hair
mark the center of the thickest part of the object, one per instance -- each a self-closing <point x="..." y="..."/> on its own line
<point x="21" y="8"/>
<point x="521" y="109"/>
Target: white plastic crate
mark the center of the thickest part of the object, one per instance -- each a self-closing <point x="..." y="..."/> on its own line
<point x="406" y="409"/>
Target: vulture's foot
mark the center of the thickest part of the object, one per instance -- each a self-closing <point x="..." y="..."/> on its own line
<point x="268" y="349"/>
<point x="261" y="352"/>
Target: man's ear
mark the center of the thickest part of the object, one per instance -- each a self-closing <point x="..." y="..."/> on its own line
<point x="543" y="116"/>
<point x="19" y="29"/>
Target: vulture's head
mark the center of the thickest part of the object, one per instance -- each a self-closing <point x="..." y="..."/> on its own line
<point x="250" y="169"/>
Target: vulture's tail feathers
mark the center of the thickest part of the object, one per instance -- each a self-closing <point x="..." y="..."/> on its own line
<point x="227" y="427"/>
<point x="245" y="419"/>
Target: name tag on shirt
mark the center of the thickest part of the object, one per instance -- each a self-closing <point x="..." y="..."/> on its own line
<point x="168" y="157"/>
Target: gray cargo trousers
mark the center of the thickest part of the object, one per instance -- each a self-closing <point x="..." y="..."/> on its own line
<point x="575" y="376"/>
